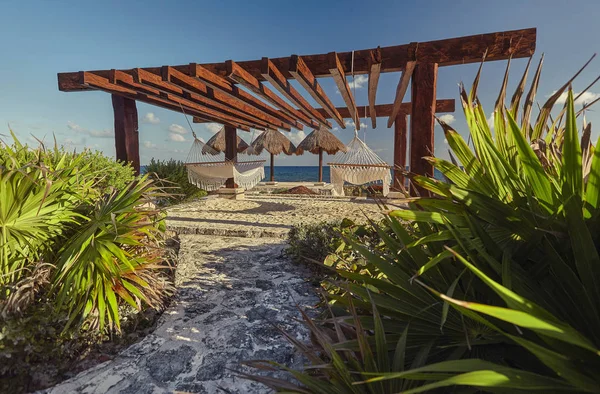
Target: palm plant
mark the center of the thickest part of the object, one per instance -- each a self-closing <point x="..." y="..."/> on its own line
<point x="64" y="229"/>
<point x="110" y="257"/>
<point x="494" y="283"/>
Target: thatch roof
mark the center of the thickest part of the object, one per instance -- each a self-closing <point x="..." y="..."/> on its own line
<point x="321" y="139"/>
<point x="273" y="142"/>
<point x="217" y="142"/>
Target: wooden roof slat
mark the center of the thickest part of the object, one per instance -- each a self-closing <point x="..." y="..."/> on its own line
<point x="97" y="82"/>
<point x="187" y="103"/>
<point x="446" y="52"/>
<point x="241" y="76"/>
<point x="226" y="87"/>
<point x="276" y="78"/>
<point x="304" y="76"/>
<point x="143" y="77"/>
<point x="201" y="95"/>
<point x="401" y="91"/>
<point x="339" y="76"/>
<point x="374" y="71"/>
<point x="124" y="79"/>
<point x="193" y="85"/>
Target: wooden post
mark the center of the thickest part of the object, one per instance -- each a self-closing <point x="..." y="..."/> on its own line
<point x="127" y="144"/>
<point x="230" y="150"/>
<point x="400" y="126"/>
<point x="272" y="167"/>
<point x="320" y="165"/>
<point x="422" y="119"/>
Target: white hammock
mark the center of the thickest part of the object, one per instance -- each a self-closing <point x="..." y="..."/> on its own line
<point x="208" y="169"/>
<point x="359" y="166"/>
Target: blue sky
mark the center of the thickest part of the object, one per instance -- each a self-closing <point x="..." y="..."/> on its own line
<point x="39" y="39"/>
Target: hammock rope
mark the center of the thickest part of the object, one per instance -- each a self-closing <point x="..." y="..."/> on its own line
<point x="359" y="165"/>
<point x="208" y="169"/>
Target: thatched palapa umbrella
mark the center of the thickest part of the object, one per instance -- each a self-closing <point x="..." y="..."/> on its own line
<point x="273" y="142"/>
<point x="217" y="142"/>
<point x="318" y="141"/>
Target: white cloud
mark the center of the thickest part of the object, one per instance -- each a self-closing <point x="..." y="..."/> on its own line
<point x="358" y="82"/>
<point x="175" y="128"/>
<point x="447" y="118"/>
<point x="101" y="133"/>
<point x="176" y="137"/>
<point x="149" y="145"/>
<point x="297" y="137"/>
<point x="94" y="133"/>
<point x="350" y="123"/>
<point x="586" y="97"/>
<point x="75" y="127"/>
<point x="213" y="127"/>
<point x="151" y="118"/>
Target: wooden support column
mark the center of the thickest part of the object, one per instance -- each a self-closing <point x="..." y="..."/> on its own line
<point x="400" y="127"/>
<point x="127" y="144"/>
<point x="230" y="150"/>
<point x="422" y="118"/>
<point x="272" y="167"/>
<point x="320" y="165"/>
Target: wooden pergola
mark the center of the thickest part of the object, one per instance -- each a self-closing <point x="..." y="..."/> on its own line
<point x="211" y="92"/>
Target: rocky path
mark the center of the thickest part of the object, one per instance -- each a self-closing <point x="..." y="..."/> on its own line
<point x="229" y="291"/>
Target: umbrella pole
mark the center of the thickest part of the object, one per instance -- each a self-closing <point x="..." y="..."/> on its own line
<point x="320" y="164"/>
<point x="272" y="167"/>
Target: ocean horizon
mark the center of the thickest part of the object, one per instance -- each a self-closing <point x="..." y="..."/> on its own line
<point x="302" y="173"/>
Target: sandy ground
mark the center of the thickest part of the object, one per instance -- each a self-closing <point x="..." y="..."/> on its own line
<point x="234" y="283"/>
<point x="263" y="216"/>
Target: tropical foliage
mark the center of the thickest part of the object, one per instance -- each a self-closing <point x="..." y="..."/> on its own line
<point x="81" y="252"/>
<point x="64" y="232"/>
<point x="491" y="281"/>
<point x="172" y="175"/>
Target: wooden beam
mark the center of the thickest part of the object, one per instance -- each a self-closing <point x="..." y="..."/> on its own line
<point x="339" y="76"/>
<point x="143" y="78"/>
<point x="127" y="144"/>
<point x="276" y="78"/>
<point x="193" y="85"/>
<point x="384" y="110"/>
<point x="400" y="128"/>
<point x="446" y="52"/>
<point x="97" y="82"/>
<point x="401" y="91"/>
<point x="225" y="118"/>
<point x="230" y="151"/>
<point x="226" y="87"/>
<point x="241" y="76"/>
<point x="374" y="71"/>
<point x="302" y="74"/>
<point x="422" y="120"/>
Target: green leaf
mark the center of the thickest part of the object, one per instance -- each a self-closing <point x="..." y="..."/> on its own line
<point x="532" y="167"/>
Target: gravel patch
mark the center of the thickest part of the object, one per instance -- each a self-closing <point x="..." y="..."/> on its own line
<point x="230" y="293"/>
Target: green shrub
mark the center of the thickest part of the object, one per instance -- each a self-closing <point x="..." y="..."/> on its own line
<point x="104" y="245"/>
<point x="312" y="241"/>
<point x="172" y="175"/>
<point x="493" y="285"/>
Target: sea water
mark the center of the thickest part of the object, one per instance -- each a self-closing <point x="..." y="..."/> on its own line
<point x="307" y="173"/>
<point x="301" y="173"/>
